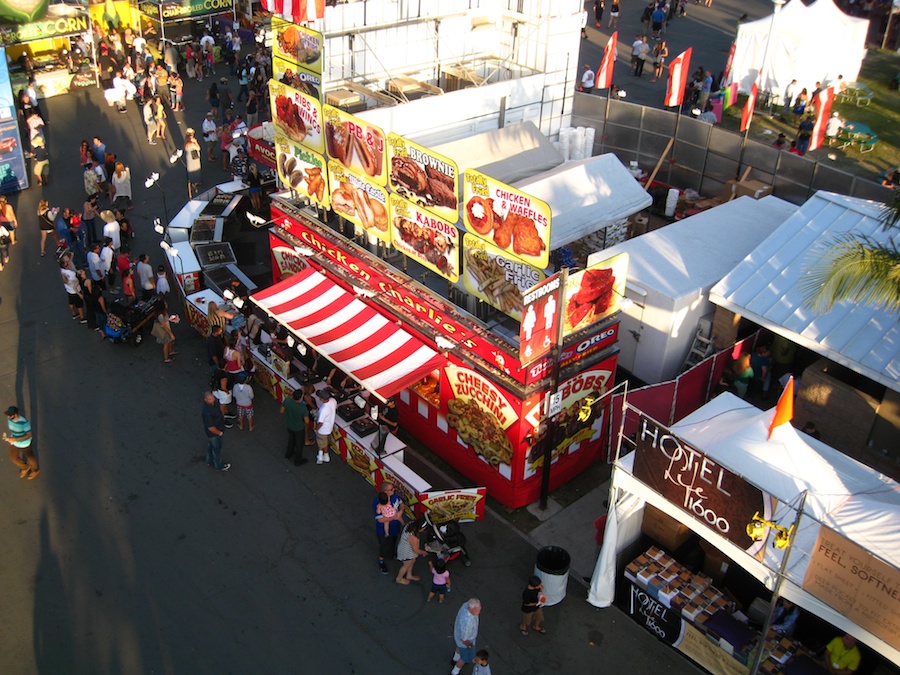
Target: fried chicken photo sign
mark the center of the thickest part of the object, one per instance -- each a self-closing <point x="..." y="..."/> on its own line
<point x="513" y="221"/>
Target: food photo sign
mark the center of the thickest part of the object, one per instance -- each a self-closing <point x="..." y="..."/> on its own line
<point x="464" y="504"/>
<point x="511" y="220"/>
<point x="496" y="278"/>
<point x="361" y="202"/>
<point x="297" y="77"/>
<point x="425" y="178"/>
<point x="595" y="293"/>
<point x="302" y="170"/>
<point x="357" y="145"/>
<point x="298" y="44"/>
<point x="297" y="116"/>
<point x="480" y="414"/>
<point x="429" y="241"/>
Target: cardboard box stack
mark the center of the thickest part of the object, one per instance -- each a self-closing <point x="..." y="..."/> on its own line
<point x="674" y="586"/>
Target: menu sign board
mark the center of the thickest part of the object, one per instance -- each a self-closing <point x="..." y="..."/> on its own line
<point x="357" y="145"/>
<point x="424" y="177"/>
<point x="213" y="255"/>
<point x="480" y="414"/>
<point x="856" y="584"/>
<point x="297" y="116"/>
<point x="52" y="25"/>
<point x="595" y="293"/>
<point x="698" y="485"/>
<point x="495" y="278"/>
<point x="297" y="77"/>
<point x="300" y="45"/>
<point x="359" y="201"/>
<point x="515" y="222"/>
<point x="465" y="504"/>
<point x="430" y="241"/>
<point x="302" y="170"/>
<point x="537" y="332"/>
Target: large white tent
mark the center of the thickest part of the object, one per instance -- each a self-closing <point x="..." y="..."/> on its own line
<point x="810" y="44"/>
<point x="850" y="498"/>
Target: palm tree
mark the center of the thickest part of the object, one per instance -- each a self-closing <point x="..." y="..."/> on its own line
<point x="857" y="268"/>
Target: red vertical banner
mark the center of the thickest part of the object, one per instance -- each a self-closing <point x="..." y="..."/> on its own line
<point x="608" y="64"/>
<point x="747" y="114"/>
<point x="729" y="63"/>
<point x="823" y="107"/>
<point x="678" y="74"/>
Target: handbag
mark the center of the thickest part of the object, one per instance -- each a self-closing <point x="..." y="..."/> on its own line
<point x="158" y="331"/>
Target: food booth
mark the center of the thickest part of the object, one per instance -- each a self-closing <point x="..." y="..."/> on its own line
<point x="794" y="515"/>
<point x="176" y="21"/>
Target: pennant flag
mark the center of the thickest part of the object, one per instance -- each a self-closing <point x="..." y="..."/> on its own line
<point x="748" y="107"/>
<point x="298" y="11"/>
<point x="678" y="75"/>
<point x="729" y="63"/>
<point x="823" y="107"/>
<point x="784" y="411"/>
<point x="607" y="65"/>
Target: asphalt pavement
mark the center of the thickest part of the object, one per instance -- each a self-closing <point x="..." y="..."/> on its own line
<point x="128" y="555"/>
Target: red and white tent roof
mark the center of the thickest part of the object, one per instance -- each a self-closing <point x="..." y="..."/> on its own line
<point x="376" y="352"/>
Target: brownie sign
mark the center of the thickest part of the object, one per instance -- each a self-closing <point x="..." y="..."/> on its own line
<point x="699" y="485"/>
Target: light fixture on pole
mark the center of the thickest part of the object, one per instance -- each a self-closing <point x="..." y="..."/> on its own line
<point x="258" y="221"/>
<point x="153" y="180"/>
<point x="172" y="253"/>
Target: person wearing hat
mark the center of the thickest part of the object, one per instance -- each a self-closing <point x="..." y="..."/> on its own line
<point x="325" y="424"/>
<point x="19" y="439"/>
<point x="239" y="164"/>
<point x="41" y="156"/>
<point x="111" y="229"/>
<point x="210" y="130"/>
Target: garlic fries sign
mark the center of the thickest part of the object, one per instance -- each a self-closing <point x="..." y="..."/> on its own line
<point x="424" y="177"/>
<point x="302" y="170"/>
<point x="359" y="201"/>
<point x="356" y="144"/>
<point x="430" y="241"/>
<point x="465" y="504"/>
<point x="297" y="116"/>
<point x="495" y="277"/>
<point x="513" y="221"/>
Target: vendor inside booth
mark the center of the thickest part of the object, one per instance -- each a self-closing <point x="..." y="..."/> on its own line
<point x="181" y="23"/>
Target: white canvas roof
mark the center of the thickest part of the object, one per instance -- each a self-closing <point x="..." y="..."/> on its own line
<point x="586" y="195"/>
<point x="764" y="288"/>
<point x="809" y="44"/>
<point x="695" y="253"/>
<point x="509" y="154"/>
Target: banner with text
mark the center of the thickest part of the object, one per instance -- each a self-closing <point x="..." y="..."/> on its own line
<point x="698" y="485"/>
<point x="357" y="145"/>
<point x="424" y="177"/>
<point x="297" y="116"/>
<point x="302" y="170"/>
<point x="856" y="584"/>
<point x="465" y="504"/>
<point x="496" y="278"/>
<point x="360" y="201"/>
<point x="515" y="222"/>
<point x="300" y="45"/>
<point x="430" y="241"/>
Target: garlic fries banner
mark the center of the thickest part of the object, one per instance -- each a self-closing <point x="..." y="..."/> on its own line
<point x="496" y="278"/>
<point x="302" y="170"/>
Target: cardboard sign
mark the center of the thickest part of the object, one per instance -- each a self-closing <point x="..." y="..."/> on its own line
<point x="361" y="202"/>
<point x="595" y="293"/>
<point x="698" y="485"/>
<point x="356" y="144"/>
<point x="513" y="221"/>
<point x="302" y="170"/>
<point x="465" y="504"/>
<point x="496" y="278"/>
<point x="297" y="77"/>
<point x="855" y="583"/>
<point x="430" y="241"/>
<point x="540" y="320"/>
<point x="297" y="116"/>
<point x="425" y="178"/>
<point x="300" y="45"/>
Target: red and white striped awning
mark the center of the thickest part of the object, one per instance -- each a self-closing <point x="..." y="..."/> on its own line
<point x="376" y="352"/>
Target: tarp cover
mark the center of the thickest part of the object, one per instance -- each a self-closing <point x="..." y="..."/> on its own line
<point x="586" y="195"/>
<point x="376" y="352"/>
<point x="509" y="154"/>
<point x="810" y="44"/>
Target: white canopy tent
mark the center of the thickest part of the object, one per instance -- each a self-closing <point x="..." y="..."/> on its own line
<point x="810" y="44"/>
<point x="855" y="501"/>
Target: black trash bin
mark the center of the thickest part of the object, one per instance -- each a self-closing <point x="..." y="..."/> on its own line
<point x="552" y="567"/>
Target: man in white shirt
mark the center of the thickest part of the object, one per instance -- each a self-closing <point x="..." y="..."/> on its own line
<point x="111" y="229"/>
<point x="207" y="42"/>
<point x="325" y="424"/>
<point x="209" y="128"/>
<point x="833" y="125"/>
<point x="73" y="290"/>
<point x="138" y="45"/>
<point x="107" y="256"/>
<point x="788" y="98"/>
<point x="95" y="265"/>
<point x="145" y="276"/>
<point x="587" y="80"/>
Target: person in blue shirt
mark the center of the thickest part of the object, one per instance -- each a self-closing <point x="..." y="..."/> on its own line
<point x="784" y="619"/>
<point x="99" y="149"/>
<point x="19" y="439"/>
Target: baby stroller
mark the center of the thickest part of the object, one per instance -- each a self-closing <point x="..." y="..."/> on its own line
<point x="444" y="541"/>
<point x="125" y="322"/>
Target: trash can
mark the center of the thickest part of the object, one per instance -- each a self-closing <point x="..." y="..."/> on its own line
<point x="552" y="568"/>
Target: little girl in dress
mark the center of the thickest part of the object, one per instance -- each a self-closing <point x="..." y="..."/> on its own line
<point x="385" y="510"/>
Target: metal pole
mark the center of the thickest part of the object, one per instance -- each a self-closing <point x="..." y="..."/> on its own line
<point x="605" y="121"/>
<point x="776" y="592"/>
<point x="887" y="29"/>
<point x="554" y="383"/>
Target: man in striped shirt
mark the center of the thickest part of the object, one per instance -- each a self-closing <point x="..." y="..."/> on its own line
<point x="19" y="439"/>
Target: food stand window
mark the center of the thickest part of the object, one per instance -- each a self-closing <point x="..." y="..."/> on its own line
<point x="180" y="22"/>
